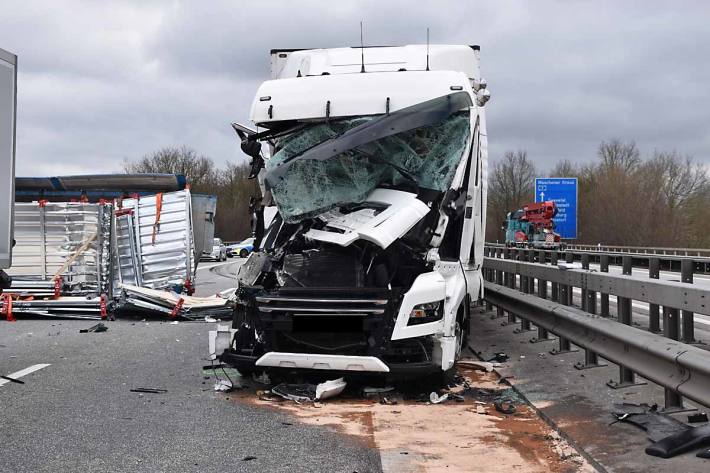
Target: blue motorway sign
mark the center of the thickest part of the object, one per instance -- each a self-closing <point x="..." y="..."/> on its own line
<point x="563" y="192"/>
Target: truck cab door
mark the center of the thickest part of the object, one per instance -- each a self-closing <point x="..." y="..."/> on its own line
<point x="473" y="236"/>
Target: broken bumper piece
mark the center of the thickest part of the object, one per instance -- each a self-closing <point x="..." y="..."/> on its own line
<point x="322" y="362"/>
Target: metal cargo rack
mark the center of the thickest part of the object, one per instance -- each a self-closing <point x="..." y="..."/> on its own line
<point x="153" y="242"/>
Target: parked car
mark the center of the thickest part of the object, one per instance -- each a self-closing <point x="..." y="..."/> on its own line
<point x="218" y="253"/>
<point x="241" y="249"/>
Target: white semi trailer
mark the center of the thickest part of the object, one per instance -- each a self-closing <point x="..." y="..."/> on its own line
<point x="378" y="170"/>
<point x="8" y="101"/>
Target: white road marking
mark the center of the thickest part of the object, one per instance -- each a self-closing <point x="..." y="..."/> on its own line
<point x="21" y="373"/>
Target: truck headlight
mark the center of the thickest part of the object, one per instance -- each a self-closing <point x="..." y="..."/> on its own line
<point x="427" y="312"/>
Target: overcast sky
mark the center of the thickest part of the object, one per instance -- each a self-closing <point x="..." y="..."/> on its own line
<point x="102" y="82"/>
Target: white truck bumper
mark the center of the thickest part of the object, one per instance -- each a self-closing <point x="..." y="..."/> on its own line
<point x="322" y="362"/>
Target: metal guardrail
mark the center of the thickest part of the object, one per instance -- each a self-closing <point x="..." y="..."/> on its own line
<point x="517" y="283"/>
<point x="670" y="259"/>
<point x="692" y="252"/>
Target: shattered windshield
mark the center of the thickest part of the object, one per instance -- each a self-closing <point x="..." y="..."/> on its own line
<point x="430" y="154"/>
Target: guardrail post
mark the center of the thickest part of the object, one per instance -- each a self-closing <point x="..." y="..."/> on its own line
<point x="510" y="282"/>
<point x="488" y="275"/>
<point x="542" y="334"/>
<point x="624" y="315"/>
<point x="686" y="276"/>
<point x="673" y="402"/>
<point x="603" y="297"/>
<point x="526" y="284"/>
<point x="569" y="258"/>
<point x="523" y="257"/>
<point x="565" y="298"/>
<point x="500" y="281"/>
<point x="654" y="271"/>
<point x="555" y="287"/>
<point x="589" y="302"/>
<point x="585" y="265"/>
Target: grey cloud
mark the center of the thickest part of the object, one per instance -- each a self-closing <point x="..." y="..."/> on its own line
<point x="104" y="82"/>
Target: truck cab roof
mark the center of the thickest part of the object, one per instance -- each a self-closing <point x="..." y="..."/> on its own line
<point x="290" y="63"/>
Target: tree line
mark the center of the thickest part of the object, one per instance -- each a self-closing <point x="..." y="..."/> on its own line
<point x="623" y="198"/>
<point x="228" y="183"/>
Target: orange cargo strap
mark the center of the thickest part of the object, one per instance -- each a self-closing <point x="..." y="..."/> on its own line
<point x="7" y="307"/>
<point x="176" y="309"/>
<point x="57" y="287"/>
<point x="158" y="208"/>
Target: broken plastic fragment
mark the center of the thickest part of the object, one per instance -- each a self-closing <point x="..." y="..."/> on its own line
<point x="330" y="388"/>
<point x="223" y="385"/>
<point x="436" y="399"/>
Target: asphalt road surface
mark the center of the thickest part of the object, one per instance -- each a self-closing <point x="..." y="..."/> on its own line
<point x="79" y="414"/>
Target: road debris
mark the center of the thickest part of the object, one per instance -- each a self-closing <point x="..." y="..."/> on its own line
<point x="223" y="385"/>
<point x="478" y="365"/>
<point x="370" y="390"/>
<point x="12" y="380"/>
<point x="670" y="436"/>
<point x="310" y="392"/>
<point x="149" y="390"/>
<point x="697" y="417"/>
<point x="98" y="328"/>
<point x="330" y="389"/>
<point x="689" y="439"/>
<point x="436" y="399"/>
<point x="505" y="406"/>
<point x="296" y="392"/>
<point x="499" y="357"/>
<point x="248" y="458"/>
<point x="450" y="437"/>
<point x="172" y="304"/>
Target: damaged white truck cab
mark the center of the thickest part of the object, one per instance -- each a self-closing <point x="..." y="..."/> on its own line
<point x="378" y="170"/>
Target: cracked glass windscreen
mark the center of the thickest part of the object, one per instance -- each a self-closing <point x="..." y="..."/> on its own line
<point x="430" y="154"/>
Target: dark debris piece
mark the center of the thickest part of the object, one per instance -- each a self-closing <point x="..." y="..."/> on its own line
<point x="703" y="454"/>
<point x="13" y="380"/>
<point x="504" y="406"/>
<point x="681" y="442"/>
<point x="149" y="390"/>
<point x="499" y="357"/>
<point x="248" y="458"/>
<point x="697" y="417"/>
<point x="296" y="392"/>
<point x="657" y="425"/>
<point x="98" y="328"/>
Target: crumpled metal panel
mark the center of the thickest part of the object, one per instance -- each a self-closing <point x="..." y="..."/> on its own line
<point x="150" y="252"/>
<point x="68" y="240"/>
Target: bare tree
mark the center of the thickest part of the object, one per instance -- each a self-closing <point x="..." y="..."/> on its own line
<point x="233" y="193"/>
<point x="198" y="169"/>
<point x="510" y="185"/>
<point x="682" y="178"/>
<point x="564" y="168"/>
<point x="618" y="155"/>
<point x="230" y="185"/>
